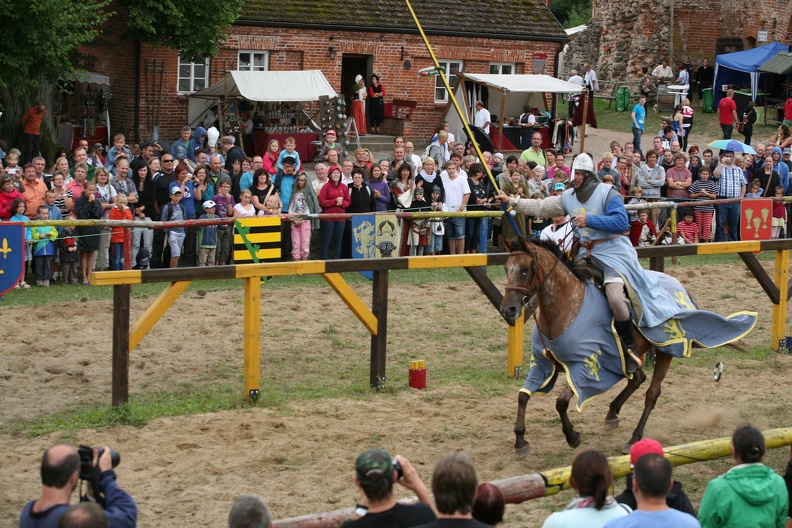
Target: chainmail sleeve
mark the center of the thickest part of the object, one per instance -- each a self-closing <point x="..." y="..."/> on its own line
<point x="547" y="208"/>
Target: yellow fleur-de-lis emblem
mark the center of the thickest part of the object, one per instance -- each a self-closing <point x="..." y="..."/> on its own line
<point x="674" y="329"/>
<point x="592" y="364"/>
<point x="531" y="363"/>
<point x="682" y="300"/>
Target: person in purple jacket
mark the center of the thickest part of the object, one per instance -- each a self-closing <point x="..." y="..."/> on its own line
<point x="379" y="186"/>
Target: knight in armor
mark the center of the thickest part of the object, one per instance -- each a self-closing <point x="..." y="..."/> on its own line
<point x="598" y="212"/>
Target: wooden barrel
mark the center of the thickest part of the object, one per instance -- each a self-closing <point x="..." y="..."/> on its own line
<point x="665" y="99"/>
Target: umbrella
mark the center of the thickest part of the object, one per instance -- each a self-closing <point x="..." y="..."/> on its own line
<point x="732" y="145"/>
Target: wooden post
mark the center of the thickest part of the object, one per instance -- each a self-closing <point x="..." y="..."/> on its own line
<point x="502" y="129"/>
<point x="121" y="294"/>
<point x="252" y="341"/>
<point x="515" y="349"/>
<point x="780" y="309"/>
<point x="379" y="342"/>
<point x="128" y="248"/>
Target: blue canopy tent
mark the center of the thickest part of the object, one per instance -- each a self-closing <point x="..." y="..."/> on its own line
<point x="741" y="68"/>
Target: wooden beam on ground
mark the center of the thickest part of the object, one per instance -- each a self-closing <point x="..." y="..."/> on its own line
<point x="351" y="299"/>
<point x="121" y="295"/>
<point x="252" y="341"/>
<point x="379" y="341"/>
<point x="778" y="331"/>
<point x="760" y="274"/>
<point x="154" y="312"/>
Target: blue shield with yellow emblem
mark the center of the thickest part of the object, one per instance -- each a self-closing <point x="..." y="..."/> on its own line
<point x="12" y="255"/>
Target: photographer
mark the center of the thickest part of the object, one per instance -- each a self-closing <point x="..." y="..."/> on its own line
<point x="60" y="473"/>
<point x="375" y="473"/>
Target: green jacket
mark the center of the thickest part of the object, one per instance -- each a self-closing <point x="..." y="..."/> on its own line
<point x="748" y="495"/>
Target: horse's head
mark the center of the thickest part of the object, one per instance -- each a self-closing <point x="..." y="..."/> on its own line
<point x="522" y="277"/>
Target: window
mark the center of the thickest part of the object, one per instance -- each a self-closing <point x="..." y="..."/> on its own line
<point x="505" y="68"/>
<point x="253" y="61"/>
<point x="193" y="76"/>
<point x="451" y="67"/>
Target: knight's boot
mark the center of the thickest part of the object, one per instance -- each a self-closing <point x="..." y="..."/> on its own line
<point x="625" y="331"/>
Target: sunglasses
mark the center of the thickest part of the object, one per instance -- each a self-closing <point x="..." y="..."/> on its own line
<point x="167" y="161"/>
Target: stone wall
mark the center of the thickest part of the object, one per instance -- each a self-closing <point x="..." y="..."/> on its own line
<point x="624" y="35"/>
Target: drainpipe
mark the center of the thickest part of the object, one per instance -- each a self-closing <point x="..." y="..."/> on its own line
<point x="671" y="36"/>
<point x="138" y="61"/>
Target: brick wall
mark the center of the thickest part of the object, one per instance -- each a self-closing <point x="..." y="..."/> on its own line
<point x="293" y="49"/>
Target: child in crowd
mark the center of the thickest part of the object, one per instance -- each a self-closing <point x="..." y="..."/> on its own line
<point x="290" y="146"/>
<point x="779" y="214"/>
<point x="755" y="190"/>
<point x="637" y="198"/>
<point x="271" y="207"/>
<point x="67" y="246"/>
<point x="704" y="190"/>
<point x="174" y="212"/>
<point x="224" y="208"/>
<point x="12" y="168"/>
<point x="418" y="234"/>
<point x="436" y="226"/>
<point x="87" y="207"/>
<point x="7" y="196"/>
<point x="536" y="224"/>
<point x="207" y="236"/>
<point x="245" y="209"/>
<point x="688" y="229"/>
<point x="642" y="231"/>
<point x="303" y="201"/>
<point x="121" y="211"/>
<point x="43" y="238"/>
<point x="116" y="152"/>
<point x="516" y="186"/>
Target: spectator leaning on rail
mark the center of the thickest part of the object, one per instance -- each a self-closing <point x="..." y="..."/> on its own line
<point x="60" y="469"/>
<point x="454" y="485"/>
<point x="374" y="477"/>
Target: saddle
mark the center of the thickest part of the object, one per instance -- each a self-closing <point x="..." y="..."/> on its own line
<point x="594" y="273"/>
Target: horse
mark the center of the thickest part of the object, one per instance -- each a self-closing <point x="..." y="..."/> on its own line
<point x="538" y="270"/>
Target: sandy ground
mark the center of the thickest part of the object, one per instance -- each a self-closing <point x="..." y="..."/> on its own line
<point x="299" y="455"/>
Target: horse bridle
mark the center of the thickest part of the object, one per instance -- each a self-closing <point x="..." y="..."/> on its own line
<point x="530" y="291"/>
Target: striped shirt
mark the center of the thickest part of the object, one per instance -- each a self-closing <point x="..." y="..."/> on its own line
<point x="698" y="186"/>
<point x="688" y="231"/>
<point x="730" y="182"/>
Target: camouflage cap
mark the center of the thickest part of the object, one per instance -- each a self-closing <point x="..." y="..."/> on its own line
<point x="373" y="464"/>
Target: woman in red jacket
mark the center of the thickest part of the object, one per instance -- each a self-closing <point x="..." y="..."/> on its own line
<point x="8" y="194"/>
<point x="333" y="198"/>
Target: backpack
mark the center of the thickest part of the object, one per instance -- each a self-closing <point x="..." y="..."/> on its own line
<point x="170" y="214"/>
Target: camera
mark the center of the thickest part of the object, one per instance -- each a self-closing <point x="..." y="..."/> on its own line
<point x="86" y="460"/>
<point x="397" y="468"/>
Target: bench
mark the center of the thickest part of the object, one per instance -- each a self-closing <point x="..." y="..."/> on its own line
<point x="398" y="117"/>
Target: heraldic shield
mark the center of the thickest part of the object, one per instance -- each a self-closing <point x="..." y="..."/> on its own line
<point x="12" y="255"/>
<point x="756" y="219"/>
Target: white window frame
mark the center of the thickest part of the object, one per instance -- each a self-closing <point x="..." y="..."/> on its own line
<point x="252" y="61"/>
<point x="446" y="63"/>
<point x="500" y="66"/>
<point x="192" y="77"/>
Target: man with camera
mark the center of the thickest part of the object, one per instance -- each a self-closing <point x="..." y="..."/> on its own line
<point x="61" y="469"/>
<point x="375" y="473"/>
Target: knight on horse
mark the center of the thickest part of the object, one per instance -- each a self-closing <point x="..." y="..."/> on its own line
<point x="589" y="336"/>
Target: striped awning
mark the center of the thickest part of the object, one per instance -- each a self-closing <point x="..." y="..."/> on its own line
<point x="780" y="64"/>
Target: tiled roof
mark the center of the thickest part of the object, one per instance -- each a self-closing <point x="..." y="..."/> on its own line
<point x="505" y="19"/>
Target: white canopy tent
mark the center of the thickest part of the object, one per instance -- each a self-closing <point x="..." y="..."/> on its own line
<point x="507" y="95"/>
<point x="262" y="86"/>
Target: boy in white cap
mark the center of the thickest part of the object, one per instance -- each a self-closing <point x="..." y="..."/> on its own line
<point x="207" y="236"/>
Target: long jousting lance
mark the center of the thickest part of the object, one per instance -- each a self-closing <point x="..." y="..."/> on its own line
<point x="440" y="72"/>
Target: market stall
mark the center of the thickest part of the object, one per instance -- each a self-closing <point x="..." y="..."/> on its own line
<point x="277" y="100"/>
<point x="83" y="110"/>
<point x="740" y="72"/>
<point x="505" y="96"/>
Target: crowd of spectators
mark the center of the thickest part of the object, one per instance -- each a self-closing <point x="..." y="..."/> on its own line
<point x="205" y="176"/>
<point x="749" y="494"/>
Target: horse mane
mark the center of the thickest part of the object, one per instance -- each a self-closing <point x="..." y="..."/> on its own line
<point x="578" y="268"/>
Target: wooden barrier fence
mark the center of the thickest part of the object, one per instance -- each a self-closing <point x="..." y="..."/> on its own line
<point x="550" y="482"/>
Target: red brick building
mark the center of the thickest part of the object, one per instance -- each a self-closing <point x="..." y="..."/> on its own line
<point x="150" y="86"/>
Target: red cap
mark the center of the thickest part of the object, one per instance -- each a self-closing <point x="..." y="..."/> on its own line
<point x="644" y="447"/>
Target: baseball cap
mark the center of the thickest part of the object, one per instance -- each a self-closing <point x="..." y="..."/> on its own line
<point x="373" y="464"/>
<point x="290" y="160"/>
<point x="787" y="151"/>
<point x="209" y="203"/>
<point x="329" y="132"/>
<point x="560" y="186"/>
<point x="176" y="190"/>
<point x="647" y="446"/>
<point x="100" y="147"/>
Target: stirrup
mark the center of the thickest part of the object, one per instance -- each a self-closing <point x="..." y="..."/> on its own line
<point x="638" y="362"/>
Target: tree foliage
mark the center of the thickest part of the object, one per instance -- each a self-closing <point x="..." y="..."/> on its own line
<point x="41" y="38"/>
<point x="571" y="13"/>
<point x="194" y="27"/>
